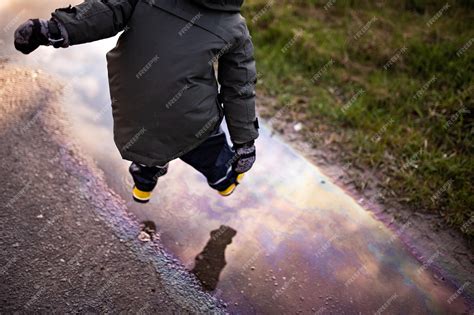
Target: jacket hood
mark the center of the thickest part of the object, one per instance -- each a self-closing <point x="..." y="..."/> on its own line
<point x="222" y="5"/>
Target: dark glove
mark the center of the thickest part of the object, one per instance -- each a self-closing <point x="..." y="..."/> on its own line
<point x="245" y="157"/>
<point x="29" y="36"/>
<point x="33" y="33"/>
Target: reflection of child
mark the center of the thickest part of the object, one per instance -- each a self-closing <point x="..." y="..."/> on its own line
<point x="166" y="99"/>
<point x="211" y="261"/>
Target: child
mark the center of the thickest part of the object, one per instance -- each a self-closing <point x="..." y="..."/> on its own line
<point x="166" y="100"/>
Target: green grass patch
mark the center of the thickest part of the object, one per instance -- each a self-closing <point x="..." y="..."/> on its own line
<point x="391" y="78"/>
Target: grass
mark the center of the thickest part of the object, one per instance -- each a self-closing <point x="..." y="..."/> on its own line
<point x="390" y="79"/>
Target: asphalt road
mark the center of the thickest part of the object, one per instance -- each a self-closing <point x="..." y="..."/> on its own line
<point x="67" y="243"/>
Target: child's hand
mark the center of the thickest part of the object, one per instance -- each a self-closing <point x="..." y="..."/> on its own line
<point x="29" y="36"/>
<point x="246" y="155"/>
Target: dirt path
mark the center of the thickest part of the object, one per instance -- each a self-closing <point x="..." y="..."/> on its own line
<point x="67" y="243"/>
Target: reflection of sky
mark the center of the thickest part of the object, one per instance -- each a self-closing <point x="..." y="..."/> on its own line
<point x="301" y="242"/>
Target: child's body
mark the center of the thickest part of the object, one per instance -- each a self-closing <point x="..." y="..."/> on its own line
<point x="166" y="103"/>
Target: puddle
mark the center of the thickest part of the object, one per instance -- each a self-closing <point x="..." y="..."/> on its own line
<point x="286" y="241"/>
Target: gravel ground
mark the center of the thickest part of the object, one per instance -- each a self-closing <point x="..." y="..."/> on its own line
<point x="67" y="243"/>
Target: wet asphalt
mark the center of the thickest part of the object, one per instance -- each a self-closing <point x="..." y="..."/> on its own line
<point x="68" y="245"/>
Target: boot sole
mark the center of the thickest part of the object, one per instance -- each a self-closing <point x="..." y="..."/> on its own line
<point x="229" y="190"/>
<point x="141" y="196"/>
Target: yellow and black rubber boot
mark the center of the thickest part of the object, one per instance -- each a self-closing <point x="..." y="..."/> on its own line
<point x="230" y="189"/>
<point x="226" y="185"/>
<point x="141" y="196"/>
<point x="145" y="179"/>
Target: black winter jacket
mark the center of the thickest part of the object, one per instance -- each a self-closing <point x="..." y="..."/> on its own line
<point x="165" y="96"/>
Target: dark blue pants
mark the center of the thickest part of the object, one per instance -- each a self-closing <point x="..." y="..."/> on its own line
<point x="213" y="158"/>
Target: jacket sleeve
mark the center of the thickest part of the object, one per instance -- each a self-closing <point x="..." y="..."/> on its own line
<point x="94" y="19"/>
<point x="237" y="76"/>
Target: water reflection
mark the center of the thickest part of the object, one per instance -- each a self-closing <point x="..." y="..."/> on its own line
<point x="303" y="244"/>
<point x="210" y="262"/>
